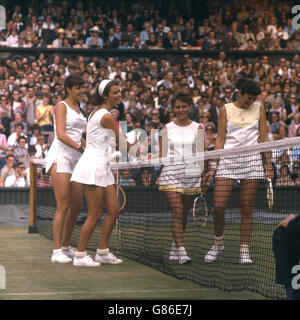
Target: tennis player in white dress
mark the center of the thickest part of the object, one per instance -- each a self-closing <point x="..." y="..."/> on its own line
<point x="65" y="151"/>
<point x="94" y="173"/>
<point x="241" y="123"/>
<point x="181" y="178"/>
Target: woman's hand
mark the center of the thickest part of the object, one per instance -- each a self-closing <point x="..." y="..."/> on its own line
<point x="286" y="220"/>
<point x="269" y="172"/>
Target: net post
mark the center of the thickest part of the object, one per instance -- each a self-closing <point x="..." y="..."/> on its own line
<point x="32" y="226"/>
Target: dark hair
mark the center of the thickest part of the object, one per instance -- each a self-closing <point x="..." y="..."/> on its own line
<point x="287" y="168"/>
<point x="31" y="148"/>
<point x="36" y="126"/>
<point x="182" y="96"/>
<point x="73" y="80"/>
<point x="22" y="137"/>
<point x="248" y="86"/>
<point x="19" y="125"/>
<point x="95" y="96"/>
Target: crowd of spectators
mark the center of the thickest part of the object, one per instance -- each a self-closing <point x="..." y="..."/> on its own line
<point x="30" y="87"/>
<point x="229" y="25"/>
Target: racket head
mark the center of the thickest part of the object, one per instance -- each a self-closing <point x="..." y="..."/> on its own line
<point x="200" y="212"/>
<point x="270" y="193"/>
<point x="121" y="196"/>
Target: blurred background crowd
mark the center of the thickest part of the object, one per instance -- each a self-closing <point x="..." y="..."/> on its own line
<point x="31" y="87"/>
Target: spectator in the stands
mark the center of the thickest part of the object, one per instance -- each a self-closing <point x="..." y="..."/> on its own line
<point x="44" y="114"/>
<point x="19" y="178"/>
<point x="17" y="104"/>
<point x="285" y="177"/>
<point x="21" y="151"/>
<point x="13" y="137"/>
<point x="94" y="41"/>
<point x="18" y="119"/>
<point x="8" y="168"/>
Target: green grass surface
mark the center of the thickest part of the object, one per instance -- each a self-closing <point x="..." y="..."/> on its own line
<point x="31" y="276"/>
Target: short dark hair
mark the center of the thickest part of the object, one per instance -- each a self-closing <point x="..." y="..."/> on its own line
<point x="248" y="86"/>
<point x="73" y="80"/>
<point x="19" y="125"/>
<point x="182" y="96"/>
<point x="22" y="137"/>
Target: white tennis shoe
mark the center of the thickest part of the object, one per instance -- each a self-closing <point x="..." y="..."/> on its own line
<point x="245" y="256"/>
<point x="183" y="258"/>
<point x="69" y="251"/>
<point x="213" y="253"/>
<point x="85" y="261"/>
<point x="60" y="257"/>
<point x="108" y="259"/>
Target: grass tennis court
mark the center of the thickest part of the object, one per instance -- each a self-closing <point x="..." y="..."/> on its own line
<point x="31" y="276"/>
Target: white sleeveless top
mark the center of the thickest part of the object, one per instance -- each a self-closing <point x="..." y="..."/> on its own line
<point x="93" y="167"/>
<point x="66" y="157"/>
<point x="242" y="125"/>
<point x="184" y="178"/>
<point x="242" y="130"/>
<point x="182" y="140"/>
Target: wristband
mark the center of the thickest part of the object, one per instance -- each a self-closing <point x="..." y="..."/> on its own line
<point x="80" y="149"/>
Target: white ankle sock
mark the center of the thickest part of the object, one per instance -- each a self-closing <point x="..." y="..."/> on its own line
<point x="244" y="248"/>
<point x="80" y="254"/>
<point x="103" y="252"/>
<point x="173" y="246"/>
<point x="57" y="251"/>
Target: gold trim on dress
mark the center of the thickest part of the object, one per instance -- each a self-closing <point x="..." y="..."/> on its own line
<point x="180" y="190"/>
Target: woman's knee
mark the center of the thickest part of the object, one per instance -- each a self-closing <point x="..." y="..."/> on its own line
<point x="62" y="207"/>
<point x="114" y="211"/>
<point x="76" y="207"/>
<point x="95" y="215"/>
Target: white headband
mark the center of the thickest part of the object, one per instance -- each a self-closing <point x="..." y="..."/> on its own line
<point x="103" y="85"/>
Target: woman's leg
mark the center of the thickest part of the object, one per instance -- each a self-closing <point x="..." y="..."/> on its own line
<point x="61" y="187"/>
<point x="248" y="194"/>
<point x="75" y="205"/>
<point x="187" y="202"/>
<point x="113" y="210"/>
<point x="94" y="198"/>
<point x="176" y="204"/>
<point x="222" y="190"/>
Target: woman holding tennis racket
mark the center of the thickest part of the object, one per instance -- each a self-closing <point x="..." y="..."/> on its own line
<point x="181" y="138"/>
<point x="65" y="151"/>
<point x="241" y="123"/>
<point x="94" y="173"/>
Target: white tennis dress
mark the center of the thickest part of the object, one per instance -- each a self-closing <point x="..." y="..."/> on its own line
<point x="93" y="167"/>
<point x="66" y="157"/>
<point x="242" y="130"/>
<point x="181" y="176"/>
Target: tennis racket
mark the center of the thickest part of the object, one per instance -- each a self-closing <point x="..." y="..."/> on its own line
<point x="200" y="212"/>
<point x="121" y="196"/>
<point x="270" y="194"/>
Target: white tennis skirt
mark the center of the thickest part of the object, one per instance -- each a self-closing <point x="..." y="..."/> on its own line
<point x="181" y="178"/>
<point x="242" y="167"/>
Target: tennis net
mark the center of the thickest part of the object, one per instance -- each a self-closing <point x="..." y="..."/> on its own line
<point x="144" y="231"/>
